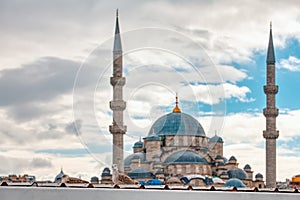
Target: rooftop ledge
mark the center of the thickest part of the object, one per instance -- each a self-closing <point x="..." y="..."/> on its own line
<point x="11" y="191"/>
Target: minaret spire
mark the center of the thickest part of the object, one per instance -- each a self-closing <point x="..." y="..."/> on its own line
<point x="271" y="54"/>
<point x="117" y="39"/>
<point x="118" y="105"/>
<point x="271" y="112"/>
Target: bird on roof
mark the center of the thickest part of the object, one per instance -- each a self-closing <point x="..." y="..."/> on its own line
<point x="119" y="178"/>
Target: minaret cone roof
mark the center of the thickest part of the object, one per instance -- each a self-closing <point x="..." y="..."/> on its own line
<point x="270" y="54"/>
<point x="117" y="39"/>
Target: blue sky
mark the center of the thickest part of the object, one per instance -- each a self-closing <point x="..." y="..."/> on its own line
<point x="55" y="66"/>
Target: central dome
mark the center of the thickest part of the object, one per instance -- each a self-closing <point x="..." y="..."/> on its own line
<point x="177" y="123"/>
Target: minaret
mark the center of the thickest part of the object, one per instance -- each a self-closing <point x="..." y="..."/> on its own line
<point x="117" y="129"/>
<point x="271" y="112"/>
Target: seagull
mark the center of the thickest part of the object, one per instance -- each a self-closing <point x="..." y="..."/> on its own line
<point x="119" y="178"/>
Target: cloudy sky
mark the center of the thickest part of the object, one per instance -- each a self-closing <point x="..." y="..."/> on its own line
<point x="55" y="65"/>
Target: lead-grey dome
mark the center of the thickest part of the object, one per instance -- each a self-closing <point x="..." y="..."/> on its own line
<point x="140" y="173"/>
<point x="237" y="173"/>
<point x="185" y="156"/>
<point x="128" y="159"/>
<point x="177" y="124"/>
<point x="234" y="182"/>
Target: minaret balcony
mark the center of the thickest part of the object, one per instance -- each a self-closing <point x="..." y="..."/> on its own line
<point x="117" y="105"/>
<point x="271" y="134"/>
<point x="271" y="89"/>
<point x="270" y="112"/>
<point x="117" y="129"/>
<point x="117" y="81"/>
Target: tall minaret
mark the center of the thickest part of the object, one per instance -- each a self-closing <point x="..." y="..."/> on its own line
<point x="117" y="129"/>
<point x="271" y="112"/>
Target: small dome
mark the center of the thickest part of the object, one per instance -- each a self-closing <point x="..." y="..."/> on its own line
<point x="159" y="171"/>
<point x="221" y="164"/>
<point x="138" y="144"/>
<point x="224" y="173"/>
<point x="140" y="173"/>
<point x="259" y="175"/>
<point x="153" y="138"/>
<point x="106" y="169"/>
<point x="237" y="173"/>
<point x="232" y="158"/>
<point x="106" y="172"/>
<point x="219" y="157"/>
<point x="94" y="179"/>
<point x="185" y="156"/>
<point x="177" y="123"/>
<point x="247" y="166"/>
<point x="234" y="182"/>
<point x="128" y="159"/>
<point x="216" y="139"/>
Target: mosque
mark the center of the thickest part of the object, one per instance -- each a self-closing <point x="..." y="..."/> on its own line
<point x="176" y="149"/>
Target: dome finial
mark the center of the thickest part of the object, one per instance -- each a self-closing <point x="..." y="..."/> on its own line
<point x="270" y="24"/>
<point x="176" y="109"/>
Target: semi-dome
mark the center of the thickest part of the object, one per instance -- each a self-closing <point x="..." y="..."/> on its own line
<point x="177" y="123"/>
<point x="128" y="159"/>
<point x="237" y="173"/>
<point x="234" y="182"/>
<point x="185" y="156"/>
<point x="140" y="173"/>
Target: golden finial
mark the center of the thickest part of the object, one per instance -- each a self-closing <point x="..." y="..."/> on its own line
<point x="176" y="109"/>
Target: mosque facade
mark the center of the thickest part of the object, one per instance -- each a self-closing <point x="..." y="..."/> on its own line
<point x="176" y="149"/>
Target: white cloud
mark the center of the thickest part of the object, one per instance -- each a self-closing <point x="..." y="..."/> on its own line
<point x="291" y="64"/>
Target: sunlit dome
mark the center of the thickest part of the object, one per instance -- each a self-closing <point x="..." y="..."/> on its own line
<point x="177" y="123"/>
